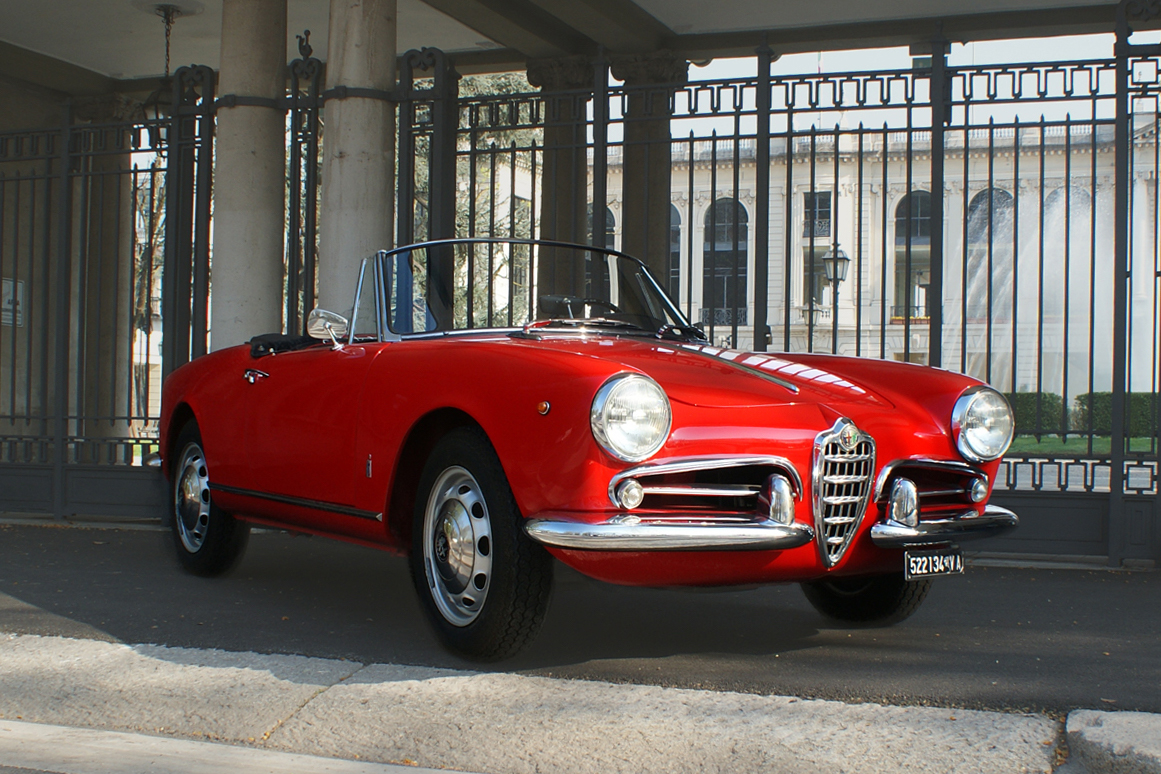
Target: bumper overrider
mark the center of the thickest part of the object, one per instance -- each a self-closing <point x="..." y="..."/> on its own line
<point x="769" y="526"/>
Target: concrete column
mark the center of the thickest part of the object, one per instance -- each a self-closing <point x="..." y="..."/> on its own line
<point x="650" y="80"/>
<point x="358" y="193"/>
<point x="249" y="175"/>
<point x="567" y="85"/>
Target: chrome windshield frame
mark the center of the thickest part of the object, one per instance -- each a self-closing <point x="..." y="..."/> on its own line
<point x="385" y="333"/>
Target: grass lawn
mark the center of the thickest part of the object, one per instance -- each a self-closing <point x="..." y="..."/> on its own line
<point x="1053" y="444"/>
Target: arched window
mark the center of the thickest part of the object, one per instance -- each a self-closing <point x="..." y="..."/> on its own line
<point x="724" y="254"/>
<point x="674" y="286"/>
<point x="912" y="255"/>
<point x="989" y="256"/>
<point x="597" y="283"/>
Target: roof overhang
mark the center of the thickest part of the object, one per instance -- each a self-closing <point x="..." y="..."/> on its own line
<point x="85" y="47"/>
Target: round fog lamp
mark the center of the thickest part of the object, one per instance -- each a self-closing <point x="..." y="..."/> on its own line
<point x="630" y="493"/>
<point x="979" y="490"/>
<point x="904" y="505"/>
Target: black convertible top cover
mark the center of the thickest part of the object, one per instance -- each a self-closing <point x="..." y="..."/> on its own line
<point x="273" y="343"/>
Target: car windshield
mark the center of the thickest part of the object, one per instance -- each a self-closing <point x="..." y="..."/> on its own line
<point x="458" y="285"/>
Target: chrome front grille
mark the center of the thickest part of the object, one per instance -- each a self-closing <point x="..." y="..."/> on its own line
<point x="844" y="466"/>
<point x="686" y="487"/>
<point x="944" y="486"/>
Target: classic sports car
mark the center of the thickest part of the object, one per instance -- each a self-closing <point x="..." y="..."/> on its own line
<point x="492" y="404"/>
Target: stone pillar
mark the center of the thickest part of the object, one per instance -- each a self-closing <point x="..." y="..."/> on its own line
<point x="567" y="85"/>
<point x="650" y="80"/>
<point x="358" y="194"/>
<point x="249" y="174"/>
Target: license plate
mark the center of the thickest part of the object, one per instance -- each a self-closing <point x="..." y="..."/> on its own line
<point x="926" y="564"/>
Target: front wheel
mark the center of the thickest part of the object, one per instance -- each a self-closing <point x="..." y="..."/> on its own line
<point x="878" y="600"/>
<point x="208" y="541"/>
<point x="482" y="582"/>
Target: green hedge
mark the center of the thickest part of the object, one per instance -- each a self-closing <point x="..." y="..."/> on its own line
<point x="1142" y="420"/>
<point x="1024" y="407"/>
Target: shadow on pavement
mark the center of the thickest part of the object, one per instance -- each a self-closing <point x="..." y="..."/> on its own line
<point x="1012" y="639"/>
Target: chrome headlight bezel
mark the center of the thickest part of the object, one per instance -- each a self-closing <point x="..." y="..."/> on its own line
<point x="961" y="418"/>
<point x="599" y="420"/>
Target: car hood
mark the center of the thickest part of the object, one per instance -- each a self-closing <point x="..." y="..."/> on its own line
<point x="712" y="377"/>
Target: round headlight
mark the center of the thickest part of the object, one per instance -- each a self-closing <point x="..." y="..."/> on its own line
<point x="630" y="417"/>
<point x="982" y="424"/>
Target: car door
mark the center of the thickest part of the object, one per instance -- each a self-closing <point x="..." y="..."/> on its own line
<point x="301" y="432"/>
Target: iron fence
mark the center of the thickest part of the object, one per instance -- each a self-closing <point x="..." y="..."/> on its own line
<point x="976" y="205"/>
<point x="82" y="218"/>
<point x="1000" y="220"/>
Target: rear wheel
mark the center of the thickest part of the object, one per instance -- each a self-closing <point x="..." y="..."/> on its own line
<point x="877" y="600"/>
<point x="208" y="541"/>
<point x="482" y="582"/>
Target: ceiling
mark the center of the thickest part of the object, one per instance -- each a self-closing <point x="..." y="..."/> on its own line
<point x="123" y="40"/>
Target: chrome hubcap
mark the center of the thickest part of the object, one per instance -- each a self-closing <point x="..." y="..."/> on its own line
<point x="457" y="546"/>
<point x="192" y="498"/>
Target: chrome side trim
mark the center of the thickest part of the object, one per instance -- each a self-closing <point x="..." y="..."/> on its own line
<point x="694" y="464"/>
<point x="967" y="525"/>
<point x="299" y="502"/>
<point x="633" y="533"/>
<point x="921" y="462"/>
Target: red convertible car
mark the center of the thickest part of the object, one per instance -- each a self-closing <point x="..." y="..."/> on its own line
<point x="487" y="406"/>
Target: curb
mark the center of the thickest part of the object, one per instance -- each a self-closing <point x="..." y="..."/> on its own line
<point x="64" y="750"/>
<point x="480" y="721"/>
<point x="1115" y="742"/>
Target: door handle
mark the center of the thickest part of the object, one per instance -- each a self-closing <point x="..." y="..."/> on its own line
<point x="253" y="374"/>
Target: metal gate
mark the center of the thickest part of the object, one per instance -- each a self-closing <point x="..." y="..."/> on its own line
<point x="1000" y="220"/>
<point x="81" y="221"/>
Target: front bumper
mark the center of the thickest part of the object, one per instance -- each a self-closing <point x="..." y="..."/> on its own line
<point x="663" y="532"/>
<point x="968" y="525"/>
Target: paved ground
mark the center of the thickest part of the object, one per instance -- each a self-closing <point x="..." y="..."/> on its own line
<point x="40" y="748"/>
<point x="471" y="721"/>
<point x="1000" y="639"/>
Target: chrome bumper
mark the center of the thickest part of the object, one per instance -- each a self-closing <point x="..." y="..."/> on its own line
<point x="664" y="533"/>
<point x="965" y="526"/>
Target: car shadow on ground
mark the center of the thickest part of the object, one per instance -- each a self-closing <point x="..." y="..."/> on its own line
<point x="992" y="638"/>
<point x="315" y="597"/>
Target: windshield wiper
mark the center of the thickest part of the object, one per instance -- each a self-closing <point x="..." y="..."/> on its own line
<point x="580" y="322"/>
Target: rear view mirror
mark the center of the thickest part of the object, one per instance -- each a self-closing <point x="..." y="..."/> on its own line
<point x="321" y="324"/>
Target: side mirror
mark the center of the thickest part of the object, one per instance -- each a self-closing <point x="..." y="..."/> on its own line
<point x="321" y="324"/>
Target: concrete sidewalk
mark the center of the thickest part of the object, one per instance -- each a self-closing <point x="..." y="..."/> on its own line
<point x="89" y="707"/>
<point x="486" y="722"/>
<point x="33" y="747"/>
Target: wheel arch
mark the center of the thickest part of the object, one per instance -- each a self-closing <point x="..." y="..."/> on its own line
<point x="182" y="414"/>
<point x="413" y="454"/>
